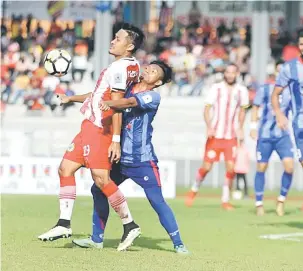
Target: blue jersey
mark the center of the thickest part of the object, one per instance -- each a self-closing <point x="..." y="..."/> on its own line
<point x="137" y="148"/>
<point x="268" y="127"/>
<point x="291" y="75"/>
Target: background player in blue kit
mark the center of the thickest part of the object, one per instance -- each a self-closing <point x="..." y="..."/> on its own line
<point x="138" y="159"/>
<point x="271" y="138"/>
<point x="291" y="77"/>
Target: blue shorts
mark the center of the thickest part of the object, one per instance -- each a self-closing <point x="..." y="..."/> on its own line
<point x="299" y="142"/>
<point x="147" y="176"/>
<point x="265" y="147"/>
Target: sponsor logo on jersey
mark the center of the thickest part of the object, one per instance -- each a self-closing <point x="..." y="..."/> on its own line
<point x="71" y="147"/>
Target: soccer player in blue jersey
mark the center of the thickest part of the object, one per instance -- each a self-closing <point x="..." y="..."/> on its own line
<point x="291" y="77"/>
<point x="271" y="138"/>
<point x="138" y="159"/>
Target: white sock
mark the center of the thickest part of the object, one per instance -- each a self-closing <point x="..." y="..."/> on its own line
<point x="225" y="193"/>
<point x="259" y="203"/>
<point x="281" y="198"/>
<point x="119" y="204"/>
<point x="196" y="186"/>
<point x="67" y="198"/>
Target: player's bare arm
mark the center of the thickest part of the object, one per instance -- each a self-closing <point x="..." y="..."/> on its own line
<point x="282" y="120"/>
<point x="242" y="114"/>
<point x="119" y="104"/>
<point x="75" y="98"/>
<point x="114" y="151"/>
<point x="254" y="122"/>
<point x="207" y="118"/>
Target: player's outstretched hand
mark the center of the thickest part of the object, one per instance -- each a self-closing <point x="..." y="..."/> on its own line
<point x="104" y="106"/>
<point x="63" y="99"/>
<point x="114" y="152"/>
<point x="282" y="121"/>
<point x="254" y="134"/>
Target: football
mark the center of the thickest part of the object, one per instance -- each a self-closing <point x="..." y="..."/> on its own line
<point x="237" y="195"/>
<point x="57" y="62"/>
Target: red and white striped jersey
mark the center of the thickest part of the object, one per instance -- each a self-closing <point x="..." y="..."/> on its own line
<point x="117" y="77"/>
<point x="226" y="103"/>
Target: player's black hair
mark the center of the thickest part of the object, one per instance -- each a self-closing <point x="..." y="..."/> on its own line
<point x="135" y="34"/>
<point x="167" y="71"/>
<point x="280" y="61"/>
<point x="231" y="64"/>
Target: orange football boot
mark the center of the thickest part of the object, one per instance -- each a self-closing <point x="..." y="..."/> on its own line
<point x="227" y="206"/>
<point x="190" y="198"/>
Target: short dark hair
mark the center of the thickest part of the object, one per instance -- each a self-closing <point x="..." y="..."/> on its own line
<point x="135" y="34"/>
<point x="228" y="64"/>
<point x="280" y="61"/>
<point x="167" y="71"/>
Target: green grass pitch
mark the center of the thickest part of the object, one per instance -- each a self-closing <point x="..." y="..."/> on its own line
<point x="218" y="240"/>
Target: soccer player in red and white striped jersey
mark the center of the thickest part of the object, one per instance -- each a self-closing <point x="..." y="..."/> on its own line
<point x="99" y="136"/>
<point x="224" y="115"/>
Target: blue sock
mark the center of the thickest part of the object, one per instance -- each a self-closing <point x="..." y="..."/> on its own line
<point x="100" y="214"/>
<point x="286" y="182"/>
<point x="166" y="216"/>
<point x="259" y="186"/>
<point x="98" y="228"/>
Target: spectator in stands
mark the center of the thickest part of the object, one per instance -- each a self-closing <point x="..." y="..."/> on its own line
<point x="221" y="29"/>
<point x="11" y="57"/>
<point x="49" y="85"/>
<point x="21" y="85"/>
<point x="241" y="58"/>
<point x="78" y="30"/>
<point x="198" y="81"/>
<point x="29" y="24"/>
<point x="39" y="30"/>
<point x="68" y="36"/>
<point x="33" y="95"/>
<point x="23" y="64"/>
<point x="3" y="28"/>
<point x="194" y="16"/>
<point x="248" y="35"/>
<point x="55" y="30"/>
<point x="165" y="17"/>
<point x="80" y="61"/>
<point x="6" y="85"/>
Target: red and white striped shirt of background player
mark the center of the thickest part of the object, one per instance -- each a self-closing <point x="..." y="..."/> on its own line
<point x="117" y="77"/>
<point x="226" y="103"/>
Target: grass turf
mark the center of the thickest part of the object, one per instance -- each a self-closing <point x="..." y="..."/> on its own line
<point x="218" y="240"/>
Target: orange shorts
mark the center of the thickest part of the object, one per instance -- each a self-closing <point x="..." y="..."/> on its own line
<point x="214" y="147"/>
<point x="90" y="147"/>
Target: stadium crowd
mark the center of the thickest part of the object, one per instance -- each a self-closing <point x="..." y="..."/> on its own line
<point x="197" y="51"/>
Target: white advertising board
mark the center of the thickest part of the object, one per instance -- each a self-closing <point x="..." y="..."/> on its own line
<point x="40" y="176"/>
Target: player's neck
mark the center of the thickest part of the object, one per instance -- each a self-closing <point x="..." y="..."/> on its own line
<point x="142" y="86"/>
<point x="123" y="56"/>
<point x="229" y="85"/>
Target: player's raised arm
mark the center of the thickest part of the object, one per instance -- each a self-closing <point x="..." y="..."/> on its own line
<point x="281" y="83"/>
<point x="145" y="101"/>
<point x="73" y="99"/>
<point x="119" y="104"/>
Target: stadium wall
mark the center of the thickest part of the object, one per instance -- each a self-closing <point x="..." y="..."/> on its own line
<point x="179" y="137"/>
